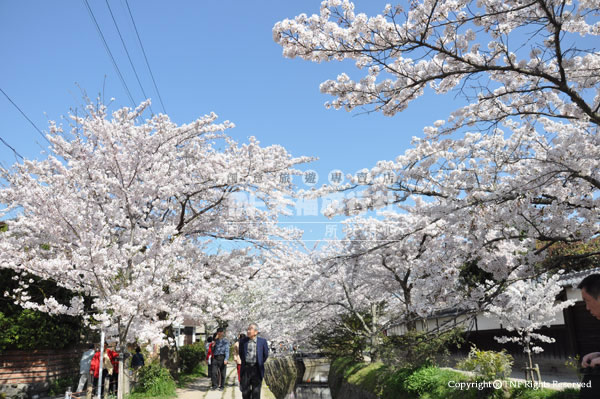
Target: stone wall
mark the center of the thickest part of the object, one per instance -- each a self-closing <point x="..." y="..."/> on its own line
<point x="281" y="374"/>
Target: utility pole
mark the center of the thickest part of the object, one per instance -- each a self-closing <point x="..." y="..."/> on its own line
<point x="101" y="365"/>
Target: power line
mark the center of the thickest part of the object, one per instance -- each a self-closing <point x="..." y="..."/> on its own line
<point x="145" y="57"/>
<point x="109" y="53"/>
<point x="11" y="147"/>
<point x="25" y="116"/>
<point x="127" y="52"/>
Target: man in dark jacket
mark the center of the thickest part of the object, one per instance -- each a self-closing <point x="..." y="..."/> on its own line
<point x="137" y="360"/>
<point x="590" y="384"/>
<point x="590" y="293"/>
<point x="254" y="352"/>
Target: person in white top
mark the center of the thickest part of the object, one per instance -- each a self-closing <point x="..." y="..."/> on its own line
<point x="84" y="367"/>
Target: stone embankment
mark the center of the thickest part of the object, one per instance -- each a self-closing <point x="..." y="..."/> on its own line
<point x="281" y="374"/>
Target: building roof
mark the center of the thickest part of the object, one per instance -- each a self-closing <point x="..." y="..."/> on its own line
<point x="188" y="322"/>
<point x="574" y="278"/>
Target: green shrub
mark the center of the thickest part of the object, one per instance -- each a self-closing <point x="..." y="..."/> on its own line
<point x="432" y="382"/>
<point x="155" y="380"/>
<point x="489" y="364"/>
<point x="416" y="349"/>
<point x="341" y="340"/>
<point x="403" y="383"/>
<point x="190" y="356"/>
<point x="26" y="329"/>
<point x="574" y="363"/>
<point x="60" y="385"/>
<point x="429" y="383"/>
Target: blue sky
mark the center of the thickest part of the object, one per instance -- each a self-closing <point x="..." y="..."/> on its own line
<point x="205" y="56"/>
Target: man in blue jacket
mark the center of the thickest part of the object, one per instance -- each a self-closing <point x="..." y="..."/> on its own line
<point x="220" y="356"/>
<point x="254" y="352"/>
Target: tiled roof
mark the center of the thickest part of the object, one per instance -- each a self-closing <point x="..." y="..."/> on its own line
<point x="192" y="322"/>
<point x="574" y="278"/>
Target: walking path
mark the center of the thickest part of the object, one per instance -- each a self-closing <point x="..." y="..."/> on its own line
<point x="200" y="389"/>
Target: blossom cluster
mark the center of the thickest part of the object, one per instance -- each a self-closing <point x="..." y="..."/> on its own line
<point x="126" y="213"/>
<point x="483" y="195"/>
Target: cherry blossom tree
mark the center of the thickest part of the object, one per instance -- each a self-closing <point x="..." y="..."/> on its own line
<point x="510" y="57"/>
<point x="132" y="214"/>
<point x="513" y="172"/>
<point x="382" y="272"/>
<point x="350" y="291"/>
<point x="525" y="307"/>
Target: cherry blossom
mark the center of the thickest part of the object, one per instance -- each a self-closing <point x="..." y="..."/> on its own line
<point x="134" y="213"/>
<point x="509" y="174"/>
<point x="526" y="306"/>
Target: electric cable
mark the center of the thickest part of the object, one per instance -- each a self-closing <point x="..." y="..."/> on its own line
<point x="11" y="147"/>
<point x="146" y="58"/>
<point x="25" y="116"/>
<point x="133" y="104"/>
<point x="127" y="52"/>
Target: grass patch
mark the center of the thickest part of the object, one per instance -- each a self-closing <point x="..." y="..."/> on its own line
<point x="200" y="370"/>
<point x="428" y="383"/>
<point x="368" y="376"/>
<point x="145" y="395"/>
<point x="432" y="382"/>
<point x="382" y="380"/>
<point x="526" y="393"/>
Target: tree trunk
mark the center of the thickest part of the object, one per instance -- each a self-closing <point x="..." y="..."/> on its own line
<point x="529" y="355"/>
<point x="411" y="322"/>
<point x="530" y="373"/>
<point x="375" y="353"/>
<point x="168" y="359"/>
<point x="374" y="339"/>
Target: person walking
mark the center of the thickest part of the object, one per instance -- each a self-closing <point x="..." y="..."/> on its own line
<point x="137" y="360"/>
<point x="254" y="352"/>
<point x="220" y="354"/>
<point x="107" y="369"/>
<point x="114" y="376"/>
<point x="236" y="355"/>
<point x="84" y="368"/>
<point x="210" y="344"/>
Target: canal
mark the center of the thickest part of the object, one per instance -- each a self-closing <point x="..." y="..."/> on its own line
<point x="313" y="384"/>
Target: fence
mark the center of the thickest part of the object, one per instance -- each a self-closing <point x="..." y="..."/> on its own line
<point x="35" y="366"/>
